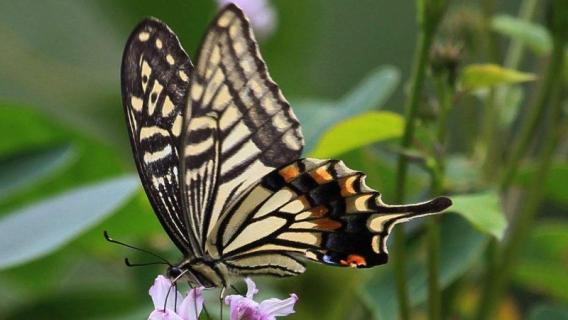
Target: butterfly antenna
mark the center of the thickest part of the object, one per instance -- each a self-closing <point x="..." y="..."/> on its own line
<point x="130" y="264"/>
<point x="111" y="240"/>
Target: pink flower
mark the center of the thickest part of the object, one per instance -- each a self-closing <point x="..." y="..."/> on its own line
<point x="245" y="308"/>
<point x="177" y="307"/>
<point x="261" y="14"/>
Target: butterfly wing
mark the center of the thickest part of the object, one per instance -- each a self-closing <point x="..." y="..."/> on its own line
<point x="315" y="209"/>
<point x="155" y="80"/>
<point x="241" y="127"/>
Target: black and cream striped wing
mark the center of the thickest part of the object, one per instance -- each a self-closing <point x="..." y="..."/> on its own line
<point x="241" y="127"/>
<point x="155" y="79"/>
<point x="315" y="209"/>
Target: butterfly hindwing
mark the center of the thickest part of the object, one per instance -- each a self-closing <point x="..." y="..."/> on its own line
<point x="155" y="80"/>
<point x="316" y="209"/>
<point x="240" y="126"/>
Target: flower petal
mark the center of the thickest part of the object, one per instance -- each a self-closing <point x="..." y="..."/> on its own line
<point x="242" y="308"/>
<point x="251" y="288"/>
<point x="159" y="292"/>
<point x="261" y="13"/>
<point x="277" y="307"/>
<point x="192" y="304"/>
<point x="164" y="315"/>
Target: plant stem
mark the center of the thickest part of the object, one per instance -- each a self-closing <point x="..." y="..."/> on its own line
<point x="513" y="58"/>
<point x="552" y="77"/>
<point x="515" y="52"/>
<point x="433" y="228"/>
<point x="424" y="42"/>
<point x="498" y="279"/>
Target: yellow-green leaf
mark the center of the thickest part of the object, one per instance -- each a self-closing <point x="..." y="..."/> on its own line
<point x="481" y="76"/>
<point x="358" y="131"/>
<point x="483" y="210"/>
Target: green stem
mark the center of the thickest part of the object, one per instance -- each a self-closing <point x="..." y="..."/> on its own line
<point x="487" y="149"/>
<point x="513" y="58"/>
<point x="515" y="52"/>
<point x="424" y="42"/>
<point x="534" y="113"/>
<point x="498" y="279"/>
<point x="433" y="227"/>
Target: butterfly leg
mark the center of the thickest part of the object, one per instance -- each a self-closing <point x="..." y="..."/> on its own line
<point x="221" y="296"/>
<point x="175" y="296"/>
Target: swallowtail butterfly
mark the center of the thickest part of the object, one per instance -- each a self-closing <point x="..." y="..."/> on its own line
<point x="218" y="150"/>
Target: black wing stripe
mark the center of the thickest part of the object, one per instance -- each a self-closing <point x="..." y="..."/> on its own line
<point x="247" y="115"/>
<point x="319" y="209"/>
<point x="155" y="80"/>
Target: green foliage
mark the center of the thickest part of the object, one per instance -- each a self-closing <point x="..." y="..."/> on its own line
<point x="534" y="36"/>
<point x="370" y="94"/>
<point x="549" y="312"/>
<point x="43" y="227"/>
<point x="66" y="172"/>
<point x="483" y="210"/>
<point x="542" y="266"/>
<point x="461" y="246"/>
<point x="555" y="181"/>
<point x="25" y="168"/>
<point x="483" y="76"/>
<point x="358" y="131"/>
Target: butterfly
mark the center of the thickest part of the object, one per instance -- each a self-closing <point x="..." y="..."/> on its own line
<point x="218" y="150"/>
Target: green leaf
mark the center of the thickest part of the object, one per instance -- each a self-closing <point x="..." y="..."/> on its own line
<point x="43" y="227"/>
<point x="359" y="131"/>
<point x="317" y="116"/>
<point x="549" y="312"/>
<point x="462" y="174"/>
<point x="555" y="183"/>
<point x="20" y="170"/>
<point x="534" y="36"/>
<point x="542" y="266"/>
<point x="461" y="247"/>
<point x="483" y="210"/>
<point x="482" y="76"/>
<point x="29" y="129"/>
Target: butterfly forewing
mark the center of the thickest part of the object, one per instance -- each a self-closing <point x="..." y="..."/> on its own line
<point x="155" y="80"/>
<point x="241" y="127"/>
<point x="317" y="209"/>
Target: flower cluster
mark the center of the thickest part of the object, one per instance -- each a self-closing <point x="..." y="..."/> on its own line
<point x="176" y="307"/>
<point x="172" y="305"/>
<point x="260" y="12"/>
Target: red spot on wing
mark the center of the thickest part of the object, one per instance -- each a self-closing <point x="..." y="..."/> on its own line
<point x="354" y="260"/>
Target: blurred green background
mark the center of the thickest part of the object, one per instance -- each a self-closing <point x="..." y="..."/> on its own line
<point x="67" y="173"/>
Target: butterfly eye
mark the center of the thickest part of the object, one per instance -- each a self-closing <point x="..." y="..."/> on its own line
<point x="173" y="272"/>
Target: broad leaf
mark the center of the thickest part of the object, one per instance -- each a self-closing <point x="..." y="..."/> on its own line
<point x="549" y="312"/>
<point x="461" y="247"/>
<point x="534" y="36"/>
<point x="43" y="227"/>
<point x="482" y="76"/>
<point x="483" y="210"/>
<point x="555" y="183"/>
<point x="542" y="266"/>
<point x="318" y="116"/>
<point x="20" y="170"/>
<point x="359" y="131"/>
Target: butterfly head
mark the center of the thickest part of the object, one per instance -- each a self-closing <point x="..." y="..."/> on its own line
<point x="174" y="272"/>
<point x="197" y="272"/>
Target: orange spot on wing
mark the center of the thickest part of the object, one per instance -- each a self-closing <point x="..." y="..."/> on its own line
<point x="354" y="260"/>
<point x="347" y="186"/>
<point x="318" y="212"/>
<point x="322" y="175"/>
<point x="290" y="172"/>
<point x="327" y="224"/>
